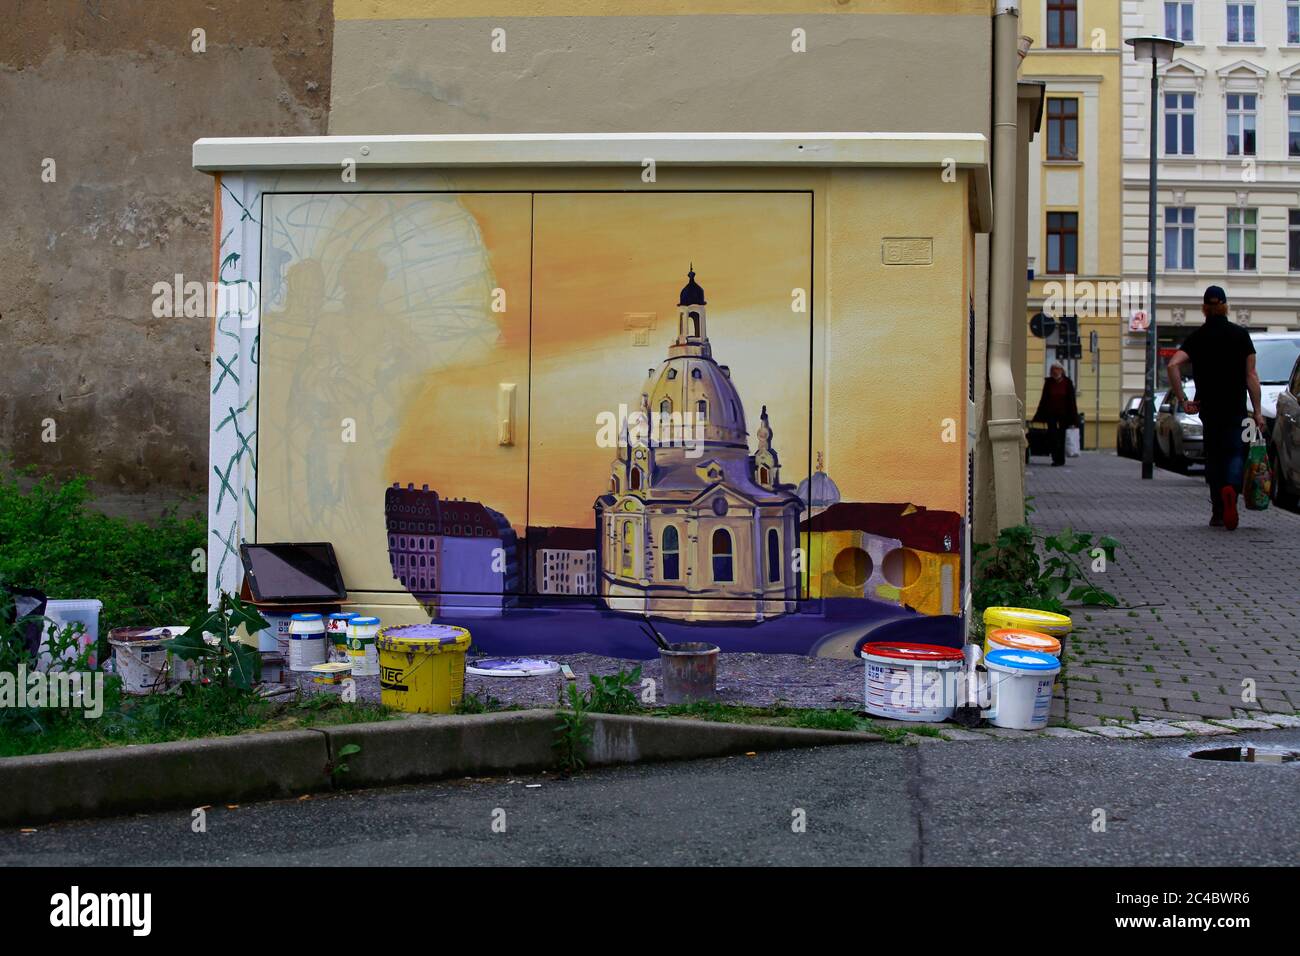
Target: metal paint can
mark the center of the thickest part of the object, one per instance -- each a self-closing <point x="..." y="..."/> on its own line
<point x="363" y="655"/>
<point x="306" y="642"/>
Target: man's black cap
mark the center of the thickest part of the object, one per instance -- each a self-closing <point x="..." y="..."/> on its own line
<point x="1215" y="294"/>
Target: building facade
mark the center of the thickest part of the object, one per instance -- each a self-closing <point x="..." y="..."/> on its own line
<point x="1074" y="260"/>
<point x="693" y="526"/>
<point x="1228" y="204"/>
<point x="562" y="561"/>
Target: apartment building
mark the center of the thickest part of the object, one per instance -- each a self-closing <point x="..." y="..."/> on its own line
<point x="1228" y="147"/>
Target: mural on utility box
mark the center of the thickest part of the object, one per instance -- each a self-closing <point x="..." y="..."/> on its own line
<point x="530" y="472"/>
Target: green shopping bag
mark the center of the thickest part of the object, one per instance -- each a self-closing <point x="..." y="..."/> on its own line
<point x="1257" y="486"/>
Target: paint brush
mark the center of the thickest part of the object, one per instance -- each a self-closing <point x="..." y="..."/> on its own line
<point x="656" y="636"/>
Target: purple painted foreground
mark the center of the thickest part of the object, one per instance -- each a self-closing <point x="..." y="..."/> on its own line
<point x="585" y="630"/>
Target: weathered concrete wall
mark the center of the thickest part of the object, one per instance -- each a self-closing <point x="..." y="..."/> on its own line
<point x="115" y="95"/>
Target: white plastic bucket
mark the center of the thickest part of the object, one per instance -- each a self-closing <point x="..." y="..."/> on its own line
<point x="140" y="658"/>
<point x="1020" y="688"/>
<point x="363" y="654"/>
<point x="911" y="681"/>
<point x="307" y="642"/>
<point x="275" y="639"/>
<point x="336" y="628"/>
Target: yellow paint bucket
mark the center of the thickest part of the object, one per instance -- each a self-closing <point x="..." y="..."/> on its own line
<point x="1027" y="619"/>
<point x="1019" y="639"/>
<point x="422" y="667"/>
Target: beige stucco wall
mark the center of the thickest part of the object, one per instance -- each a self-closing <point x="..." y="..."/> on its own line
<point x="428" y="66"/>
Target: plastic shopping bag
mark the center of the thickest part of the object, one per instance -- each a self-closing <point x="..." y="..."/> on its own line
<point x="1072" y="443"/>
<point x="1257" y="486"/>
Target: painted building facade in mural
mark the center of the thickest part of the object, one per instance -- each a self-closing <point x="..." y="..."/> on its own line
<point x="691" y="515"/>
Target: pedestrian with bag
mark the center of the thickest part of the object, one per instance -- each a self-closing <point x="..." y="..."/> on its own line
<point x="1058" y="410"/>
<point x="1222" y="357"/>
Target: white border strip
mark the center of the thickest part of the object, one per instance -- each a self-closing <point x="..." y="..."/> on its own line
<point x="593" y="149"/>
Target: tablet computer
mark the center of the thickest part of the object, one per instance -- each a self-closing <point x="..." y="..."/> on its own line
<point x="291" y="571"/>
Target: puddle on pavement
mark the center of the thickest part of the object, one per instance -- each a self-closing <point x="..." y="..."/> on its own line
<point x="1248" y="754"/>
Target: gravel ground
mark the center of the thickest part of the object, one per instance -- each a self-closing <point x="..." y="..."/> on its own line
<point x="759" y="680"/>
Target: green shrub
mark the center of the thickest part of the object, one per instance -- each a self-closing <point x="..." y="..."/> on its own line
<point x="50" y="540"/>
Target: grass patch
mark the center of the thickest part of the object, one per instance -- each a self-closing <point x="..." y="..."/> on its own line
<point x="193" y="713"/>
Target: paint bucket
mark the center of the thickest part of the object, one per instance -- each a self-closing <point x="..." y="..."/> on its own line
<point x="1020" y="688"/>
<point x="274" y="639"/>
<point x="337" y="629"/>
<point x="140" y="659"/>
<point x="422" y="667"/>
<point x="61" y="614"/>
<point x="690" y="672"/>
<point x="1027" y="619"/>
<point x="332" y="673"/>
<point x="1018" y="639"/>
<point x="363" y="656"/>
<point x="911" y="681"/>
<point x="306" y="641"/>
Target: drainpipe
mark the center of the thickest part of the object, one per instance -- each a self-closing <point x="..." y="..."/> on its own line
<point x="1006" y="416"/>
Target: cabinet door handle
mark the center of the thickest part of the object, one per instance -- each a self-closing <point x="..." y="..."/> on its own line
<point x="506" y="414"/>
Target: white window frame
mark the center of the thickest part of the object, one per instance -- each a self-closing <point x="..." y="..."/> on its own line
<point x="1243" y="117"/>
<point x="1186" y="18"/>
<point x="1181" y="226"/>
<point x="1240" y="6"/>
<point x="1243" y="227"/>
<point x="1180" y="111"/>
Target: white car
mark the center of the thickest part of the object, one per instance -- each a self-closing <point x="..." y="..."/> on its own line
<point x="1275" y="357"/>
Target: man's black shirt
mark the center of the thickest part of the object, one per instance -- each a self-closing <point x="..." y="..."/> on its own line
<point x="1218" y="351"/>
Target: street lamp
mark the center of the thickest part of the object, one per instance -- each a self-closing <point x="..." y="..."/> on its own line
<point x="1157" y="50"/>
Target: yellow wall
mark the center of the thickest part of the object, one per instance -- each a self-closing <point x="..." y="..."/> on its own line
<point x="1099" y="56"/>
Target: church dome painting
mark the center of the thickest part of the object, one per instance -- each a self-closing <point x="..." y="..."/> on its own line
<point x="694" y="525"/>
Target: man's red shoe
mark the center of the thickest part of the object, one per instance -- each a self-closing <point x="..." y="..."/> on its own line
<point x="1229" y="496"/>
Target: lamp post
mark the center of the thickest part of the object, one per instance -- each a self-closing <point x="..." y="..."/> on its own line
<point x="1157" y="50"/>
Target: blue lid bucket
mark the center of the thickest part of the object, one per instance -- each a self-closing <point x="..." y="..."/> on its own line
<point x="1015" y="660"/>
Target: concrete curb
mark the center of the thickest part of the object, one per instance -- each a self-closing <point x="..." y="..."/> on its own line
<point x="279" y="764"/>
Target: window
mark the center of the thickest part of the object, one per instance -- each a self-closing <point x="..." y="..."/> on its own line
<point x="670" y="554"/>
<point x="1062" y="242"/>
<point x="1293" y="22"/>
<point x="722" y="569"/>
<point x="628" y="546"/>
<point x="696" y="373"/>
<point x="773" y="555"/>
<point x="666" y="407"/>
<point x="1293" y="240"/>
<point x="1180" y="124"/>
<point x="1180" y="237"/>
<point x="702" y="410"/>
<point x="634" y="482"/>
<point x="1241" y="124"/>
<point x="1241" y="23"/>
<point x="1242" y="237"/>
<point x="1178" y="21"/>
<point x="1293" y="124"/>
<point x="1062" y="128"/>
<point x="1062" y="23"/>
<point x="672" y="374"/>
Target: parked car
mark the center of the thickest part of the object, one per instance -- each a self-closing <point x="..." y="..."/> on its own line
<point x="1125" y="447"/>
<point x="1275" y="357"/>
<point x="1284" y="441"/>
<point x="1180" y="439"/>
<point x="1133" y="425"/>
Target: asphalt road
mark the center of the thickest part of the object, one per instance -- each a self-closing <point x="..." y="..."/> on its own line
<point x="999" y="803"/>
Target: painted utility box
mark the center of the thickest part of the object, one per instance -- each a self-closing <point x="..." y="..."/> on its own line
<point x="546" y="386"/>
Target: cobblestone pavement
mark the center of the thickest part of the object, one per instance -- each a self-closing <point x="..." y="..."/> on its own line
<point x="1215" y="609"/>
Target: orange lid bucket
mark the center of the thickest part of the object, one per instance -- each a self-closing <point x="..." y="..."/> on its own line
<point x="1021" y="639"/>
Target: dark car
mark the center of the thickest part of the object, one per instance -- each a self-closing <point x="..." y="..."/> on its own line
<point x="1132" y="425"/>
<point x="1284" y="442"/>
<point x="1125" y="446"/>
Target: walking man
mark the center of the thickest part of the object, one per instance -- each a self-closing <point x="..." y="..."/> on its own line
<point x="1223" y="366"/>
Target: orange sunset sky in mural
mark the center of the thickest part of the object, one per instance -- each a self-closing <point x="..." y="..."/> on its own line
<point x="605" y="266"/>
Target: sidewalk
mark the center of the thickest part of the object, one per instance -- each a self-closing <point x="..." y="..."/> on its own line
<point x="1225" y="606"/>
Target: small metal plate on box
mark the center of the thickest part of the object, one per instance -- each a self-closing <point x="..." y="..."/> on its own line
<point x="907" y="251"/>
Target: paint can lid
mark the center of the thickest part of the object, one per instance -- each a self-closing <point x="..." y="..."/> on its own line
<point x="307" y="616"/>
<point x="512" y="667"/>
<point x="424" y="637"/>
<point x="364" y="621"/>
<point x="1024" y="639"/>
<point x="916" y="653"/>
<point x="1009" y="659"/>
<point x="343" y="615"/>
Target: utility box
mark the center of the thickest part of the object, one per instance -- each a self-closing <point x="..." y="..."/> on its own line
<point x="546" y="386"/>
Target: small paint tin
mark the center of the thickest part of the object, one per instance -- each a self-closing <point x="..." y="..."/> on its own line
<point x="332" y="673"/>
